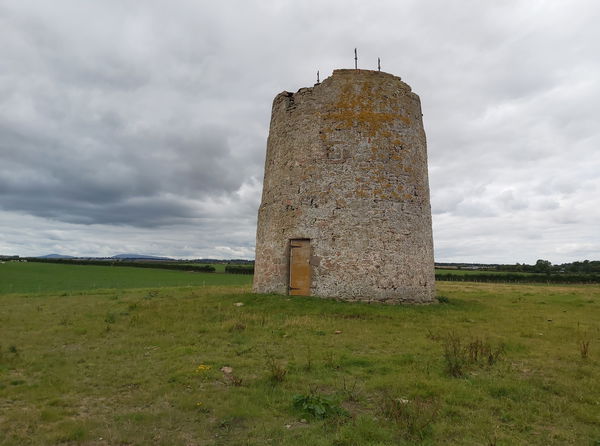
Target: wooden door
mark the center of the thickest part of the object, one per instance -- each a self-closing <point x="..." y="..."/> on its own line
<point x="300" y="267"/>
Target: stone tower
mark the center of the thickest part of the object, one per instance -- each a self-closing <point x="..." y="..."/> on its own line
<point x="345" y="208"/>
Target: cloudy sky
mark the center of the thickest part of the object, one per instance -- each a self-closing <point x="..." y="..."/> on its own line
<point x="130" y="126"/>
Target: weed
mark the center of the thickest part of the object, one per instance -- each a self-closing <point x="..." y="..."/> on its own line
<point x="134" y="320"/>
<point x="318" y="406"/>
<point x="415" y="417"/>
<point x="584" y="348"/>
<point x="110" y="318"/>
<point x="443" y="300"/>
<point x="457" y="354"/>
<point x="13" y="349"/>
<point x="583" y="342"/>
<point x="263" y="320"/>
<point x="331" y="361"/>
<point x="454" y="355"/>
<point x="308" y="365"/>
<point x="277" y="370"/>
<point x="479" y="351"/>
<point x="350" y="392"/>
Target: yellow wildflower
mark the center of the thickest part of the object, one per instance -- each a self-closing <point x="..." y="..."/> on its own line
<point x="202" y="368"/>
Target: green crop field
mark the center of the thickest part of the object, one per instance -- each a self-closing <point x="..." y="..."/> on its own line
<point x="199" y="364"/>
<point x="17" y="277"/>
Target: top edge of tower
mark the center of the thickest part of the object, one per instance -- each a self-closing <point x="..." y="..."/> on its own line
<point x="360" y="72"/>
<point x="350" y="74"/>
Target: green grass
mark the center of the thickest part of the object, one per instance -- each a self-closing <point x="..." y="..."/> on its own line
<point x="17" y="277"/>
<point x="121" y="366"/>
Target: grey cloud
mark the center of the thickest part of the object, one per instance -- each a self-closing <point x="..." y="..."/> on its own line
<point x="512" y="201"/>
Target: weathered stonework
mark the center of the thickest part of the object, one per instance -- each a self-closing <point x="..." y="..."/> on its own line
<point x="346" y="168"/>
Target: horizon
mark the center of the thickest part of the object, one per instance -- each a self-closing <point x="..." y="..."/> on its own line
<point x="163" y="257"/>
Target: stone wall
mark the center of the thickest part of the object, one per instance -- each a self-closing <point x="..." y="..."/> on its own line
<point x="346" y="167"/>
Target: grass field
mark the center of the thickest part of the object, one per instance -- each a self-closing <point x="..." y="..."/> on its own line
<point x="17" y="277"/>
<point x="142" y="366"/>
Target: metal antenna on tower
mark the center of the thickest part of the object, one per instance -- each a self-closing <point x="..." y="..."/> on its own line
<point x="378" y="64"/>
<point x="355" y="60"/>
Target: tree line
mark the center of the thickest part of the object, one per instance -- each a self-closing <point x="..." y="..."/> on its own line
<point x="564" y="278"/>
<point x="546" y="267"/>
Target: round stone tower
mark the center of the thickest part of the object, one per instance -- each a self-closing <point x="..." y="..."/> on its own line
<point x="345" y="208"/>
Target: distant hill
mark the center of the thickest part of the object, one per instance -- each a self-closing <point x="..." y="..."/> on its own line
<point x="55" y="256"/>
<point x="140" y="257"/>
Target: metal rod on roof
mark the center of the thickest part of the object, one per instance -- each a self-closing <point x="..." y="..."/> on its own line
<point x="378" y="64"/>
<point x="318" y="77"/>
<point x="355" y="59"/>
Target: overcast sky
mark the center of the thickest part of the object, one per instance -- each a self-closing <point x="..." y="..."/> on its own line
<point x="141" y="127"/>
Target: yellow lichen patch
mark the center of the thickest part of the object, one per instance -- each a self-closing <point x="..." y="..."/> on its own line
<point x="353" y="108"/>
<point x="404" y="119"/>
